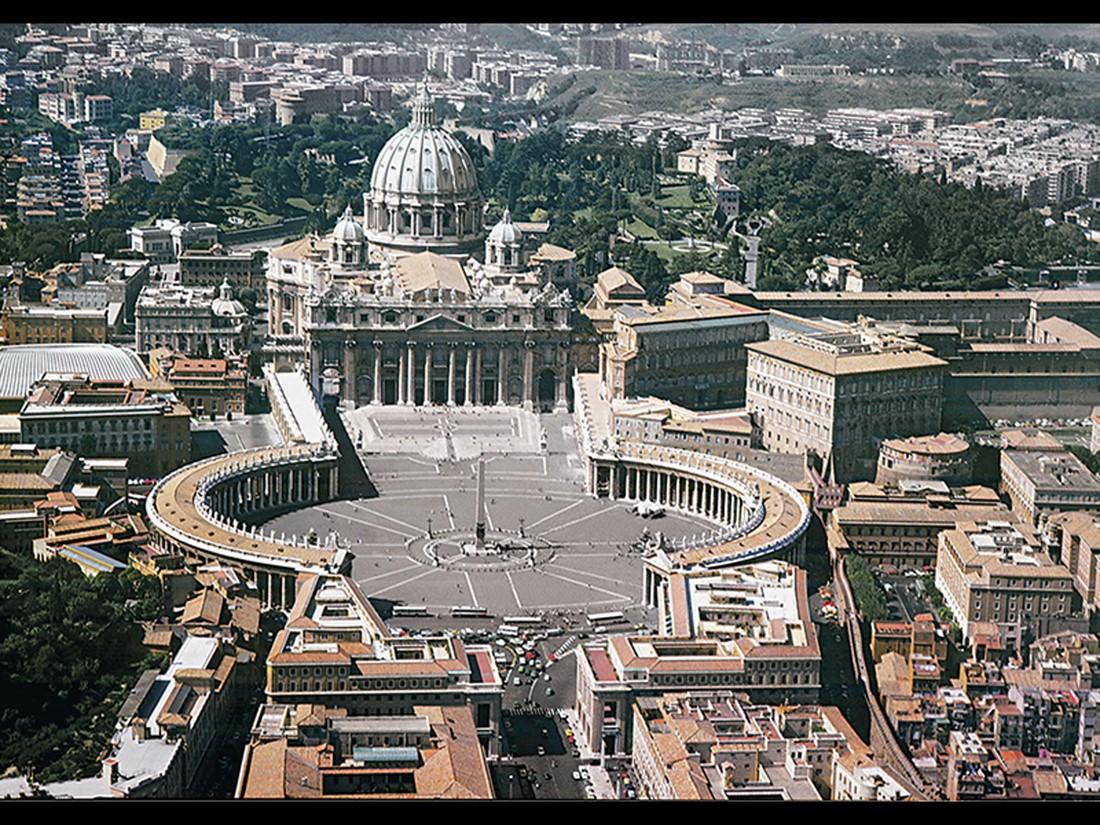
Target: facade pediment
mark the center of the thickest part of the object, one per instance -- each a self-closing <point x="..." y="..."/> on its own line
<point x="440" y="323"/>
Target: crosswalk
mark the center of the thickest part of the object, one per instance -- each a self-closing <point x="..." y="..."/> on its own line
<point x="563" y="648"/>
<point x="530" y="710"/>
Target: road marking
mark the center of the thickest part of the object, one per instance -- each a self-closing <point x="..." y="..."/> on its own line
<point x="404" y="582"/>
<point x="368" y="523"/>
<point x="512" y="584"/>
<point x="618" y="596"/>
<point x="416" y="530"/>
<point x="390" y="573"/>
<point x="592" y="575"/>
<point x="447" y="504"/>
<point x="576" y="521"/>
<point x="555" y="513"/>
<point x="470" y="584"/>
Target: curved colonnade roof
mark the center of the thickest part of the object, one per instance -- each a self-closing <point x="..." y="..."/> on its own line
<point x="785" y="514"/>
<point x="171" y="507"/>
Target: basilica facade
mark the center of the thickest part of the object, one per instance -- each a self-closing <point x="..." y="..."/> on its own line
<point x="393" y="309"/>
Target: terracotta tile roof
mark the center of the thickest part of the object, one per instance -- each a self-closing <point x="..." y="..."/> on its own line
<point x="206" y="607"/>
<point x="550" y="252"/>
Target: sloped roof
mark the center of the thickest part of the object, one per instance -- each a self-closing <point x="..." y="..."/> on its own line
<point x="618" y="280"/>
<point x="427" y="270"/>
<point x="846" y="364"/>
<point x="552" y="252"/>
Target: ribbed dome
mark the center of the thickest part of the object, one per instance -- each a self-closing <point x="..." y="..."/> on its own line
<point x="423" y="194"/>
<point x="423" y="160"/>
<point x="505" y="232"/>
<point x="348" y="229"/>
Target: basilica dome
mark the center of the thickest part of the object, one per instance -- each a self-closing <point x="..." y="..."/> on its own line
<point x="424" y="194"/>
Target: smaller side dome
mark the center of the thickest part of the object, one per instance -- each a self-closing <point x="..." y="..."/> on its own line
<point x="224" y="306"/>
<point x="505" y="232"/>
<point x="348" y="230"/>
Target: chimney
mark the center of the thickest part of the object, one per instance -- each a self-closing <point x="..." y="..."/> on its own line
<point x="110" y="771"/>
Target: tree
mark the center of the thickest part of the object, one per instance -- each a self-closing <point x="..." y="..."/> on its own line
<point x="646" y="266"/>
<point x="70" y="648"/>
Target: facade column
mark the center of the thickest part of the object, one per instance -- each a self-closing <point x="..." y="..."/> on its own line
<point x="315" y="366"/>
<point x="468" y="396"/>
<point x="502" y="376"/>
<point x="451" y="376"/>
<point x="401" y="359"/>
<point x="428" y="376"/>
<point x="478" y="388"/>
<point x="376" y="396"/>
<point x="562" y="401"/>
<point x="528" y="378"/>
<point x="410" y="373"/>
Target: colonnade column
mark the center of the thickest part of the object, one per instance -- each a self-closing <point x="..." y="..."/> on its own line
<point x="478" y="389"/>
<point x="562" y="400"/>
<point x="401" y="359"/>
<point x="410" y="375"/>
<point x="315" y="366"/>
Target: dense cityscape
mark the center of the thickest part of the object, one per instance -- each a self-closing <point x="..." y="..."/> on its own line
<point x="549" y="411"/>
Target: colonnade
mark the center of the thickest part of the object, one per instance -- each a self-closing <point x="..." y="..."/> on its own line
<point x="734" y="498"/>
<point x="272" y="488"/>
<point x="196" y="512"/>
<point x="680" y="491"/>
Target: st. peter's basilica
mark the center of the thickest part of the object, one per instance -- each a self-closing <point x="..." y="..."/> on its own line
<point x="394" y="309"/>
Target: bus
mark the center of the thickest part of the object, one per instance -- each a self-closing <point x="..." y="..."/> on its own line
<point x="410" y="610"/>
<point x="612" y="617"/>
<point x="522" y="620"/>
<point x="508" y="630"/>
<point x="470" y="612"/>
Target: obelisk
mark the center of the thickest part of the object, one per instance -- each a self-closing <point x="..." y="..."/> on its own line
<point x="479" y="528"/>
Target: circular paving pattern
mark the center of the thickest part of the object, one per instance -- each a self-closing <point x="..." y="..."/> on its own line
<point x="567" y="551"/>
